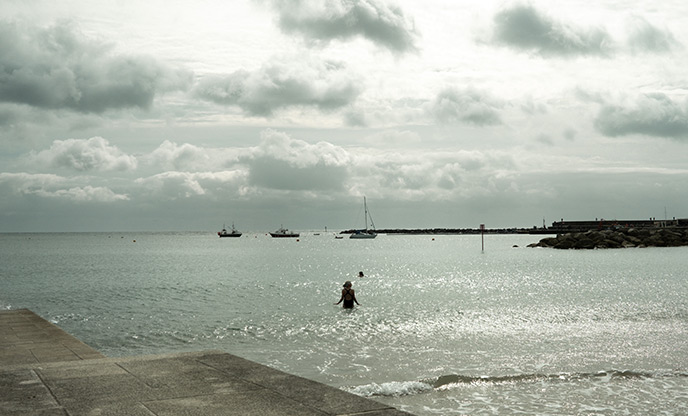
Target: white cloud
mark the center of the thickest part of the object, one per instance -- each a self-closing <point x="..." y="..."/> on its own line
<point x="95" y="153"/>
<point x="167" y="186"/>
<point x="56" y="187"/>
<point x="173" y="185"/>
<point x="84" y="194"/>
<point x="179" y="157"/>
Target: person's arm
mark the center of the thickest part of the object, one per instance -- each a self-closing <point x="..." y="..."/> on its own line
<point x="340" y="299"/>
<point x="353" y="295"/>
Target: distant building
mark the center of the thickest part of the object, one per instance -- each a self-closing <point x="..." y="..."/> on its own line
<point x="602" y="224"/>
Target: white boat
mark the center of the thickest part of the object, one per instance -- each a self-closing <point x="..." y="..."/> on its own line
<point x="365" y="233"/>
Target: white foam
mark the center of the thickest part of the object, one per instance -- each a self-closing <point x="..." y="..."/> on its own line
<point x="392" y="388"/>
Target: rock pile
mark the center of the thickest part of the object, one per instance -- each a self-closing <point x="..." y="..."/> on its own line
<point x="622" y="238"/>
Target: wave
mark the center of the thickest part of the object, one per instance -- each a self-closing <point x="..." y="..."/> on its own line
<point x="450" y="381"/>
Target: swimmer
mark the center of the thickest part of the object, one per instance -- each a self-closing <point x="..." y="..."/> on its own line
<point x="348" y="296"/>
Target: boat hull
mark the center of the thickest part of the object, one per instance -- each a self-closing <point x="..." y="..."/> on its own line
<point x="363" y="235"/>
<point x="275" y="235"/>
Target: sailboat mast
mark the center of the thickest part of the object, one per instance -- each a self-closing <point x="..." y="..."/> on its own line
<point x="365" y="213"/>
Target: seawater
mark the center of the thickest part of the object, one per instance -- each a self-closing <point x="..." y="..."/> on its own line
<point x="445" y="328"/>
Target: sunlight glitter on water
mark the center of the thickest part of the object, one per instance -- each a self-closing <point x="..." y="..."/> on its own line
<point x="520" y="330"/>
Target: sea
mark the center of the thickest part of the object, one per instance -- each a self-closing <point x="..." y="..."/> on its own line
<point x="448" y="324"/>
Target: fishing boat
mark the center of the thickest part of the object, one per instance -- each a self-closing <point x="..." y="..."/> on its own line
<point x="225" y="233"/>
<point x="283" y="232"/>
<point x="366" y="232"/>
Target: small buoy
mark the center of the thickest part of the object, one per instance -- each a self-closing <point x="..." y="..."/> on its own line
<point x="433" y="239"/>
<point x="134" y="241"/>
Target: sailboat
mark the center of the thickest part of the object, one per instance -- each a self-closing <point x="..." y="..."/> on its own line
<point x="365" y="233"/>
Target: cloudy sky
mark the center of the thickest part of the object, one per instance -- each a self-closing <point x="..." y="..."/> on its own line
<point x="184" y="115"/>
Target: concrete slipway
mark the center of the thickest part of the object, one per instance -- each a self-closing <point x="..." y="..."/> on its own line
<point x="44" y="371"/>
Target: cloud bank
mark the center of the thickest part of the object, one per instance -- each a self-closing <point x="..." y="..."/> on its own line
<point x="60" y="68"/>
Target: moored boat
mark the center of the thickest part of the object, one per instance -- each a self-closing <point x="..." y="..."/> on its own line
<point x="283" y="232"/>
<point x="365" y="233"/>
<point x="232" y="233"/>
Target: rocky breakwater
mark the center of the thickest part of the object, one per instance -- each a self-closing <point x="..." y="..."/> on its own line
<point x="622" y="238"/>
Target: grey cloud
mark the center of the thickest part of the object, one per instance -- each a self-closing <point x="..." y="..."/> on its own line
<point x="324" y="21"/>
<point x="355" y="118"/>
<point x="278" y="85"/>
<point x="443" y="177"/>
<point x="523" y="27"/>
<point x="59" y="67"/>
<point x="644" y="37"/>
<point x="7" y="116"/>
<point x="279" y="174"/>
<point x="95" y="153"/>
<point x="651" y="114"/>
<point x="570" y="134"/>
<point x="283" y="163"/>
<point x="468" y="106"/>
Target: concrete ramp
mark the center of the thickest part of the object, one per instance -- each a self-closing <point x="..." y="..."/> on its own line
<point x="44" y="371"/>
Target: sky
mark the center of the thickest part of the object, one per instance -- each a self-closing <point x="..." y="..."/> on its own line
<point x="187" y="115"/>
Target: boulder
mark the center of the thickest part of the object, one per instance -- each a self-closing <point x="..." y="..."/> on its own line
<point x="585" y="243"/>
<point x="622" y="238"/>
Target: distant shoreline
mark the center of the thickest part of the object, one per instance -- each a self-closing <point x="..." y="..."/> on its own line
<point x="558" y="227"/>
<point x="456" y="231"/>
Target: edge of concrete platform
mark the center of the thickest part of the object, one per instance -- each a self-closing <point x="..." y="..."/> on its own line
<point x="210" y="382"/>
<point x="27" y="338"/>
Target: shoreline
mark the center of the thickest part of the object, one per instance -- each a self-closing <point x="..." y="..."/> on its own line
<point x="46" y="371"/>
